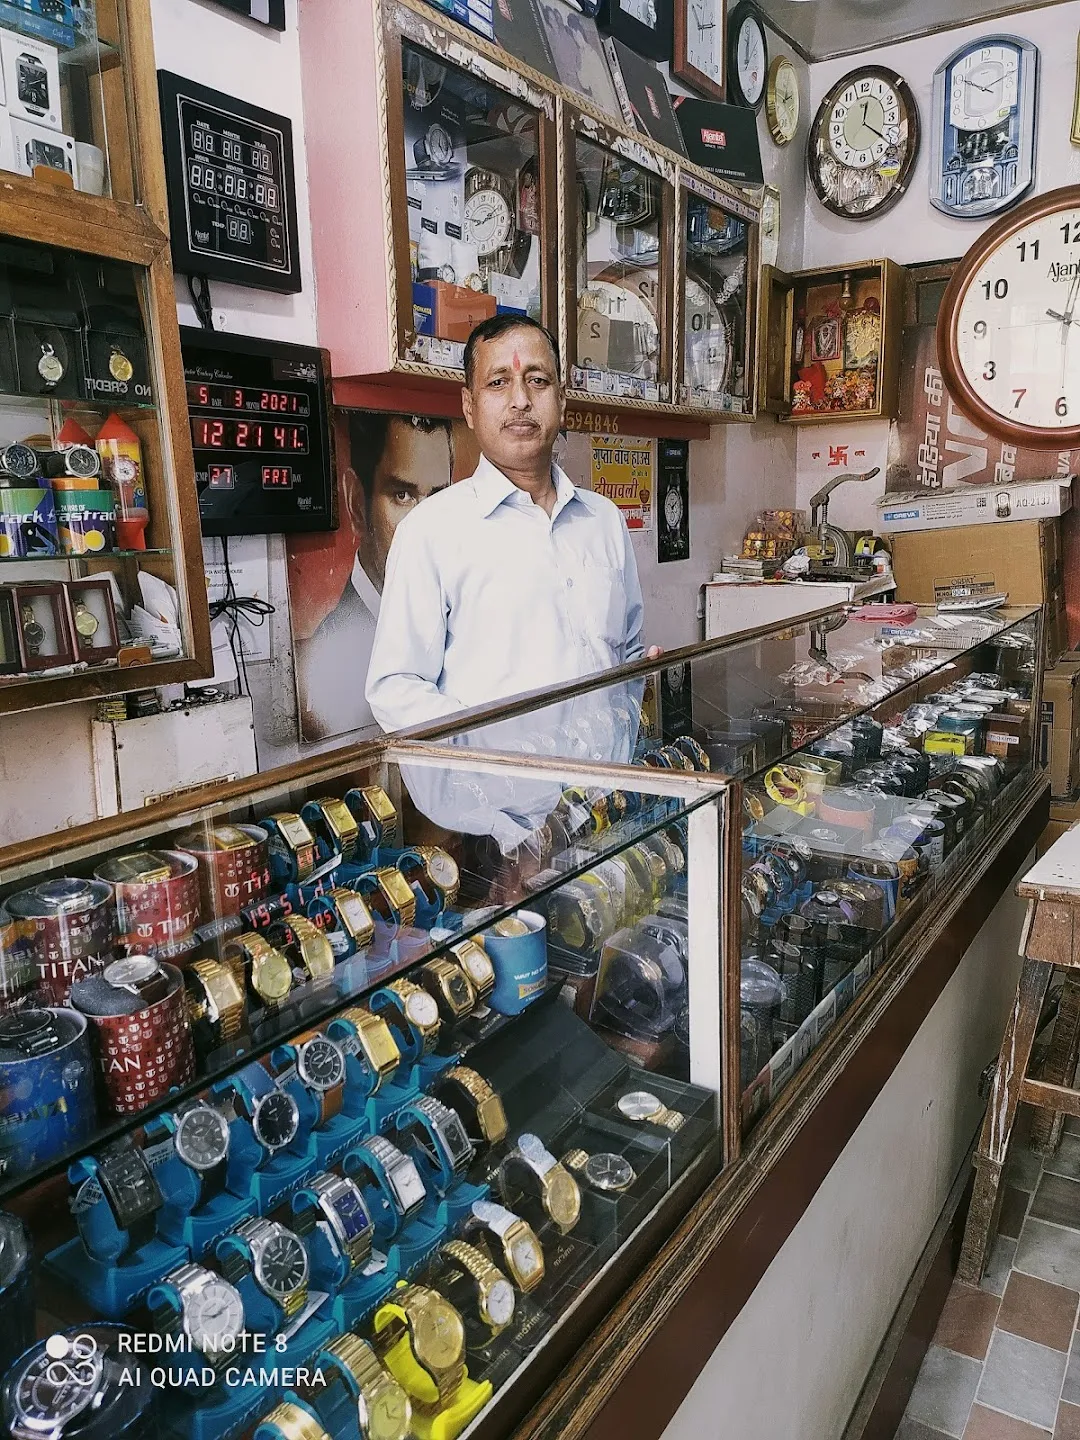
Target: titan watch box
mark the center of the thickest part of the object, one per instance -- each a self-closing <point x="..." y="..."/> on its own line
<point x="31" y="79"/>
<point x="114" y="337"/>
<point x="32" y="145"/>
<point x="721" y="138"/>
<point x="48" y="342"/>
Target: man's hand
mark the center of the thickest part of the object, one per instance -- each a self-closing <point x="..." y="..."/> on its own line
<point x="653" y="653"/>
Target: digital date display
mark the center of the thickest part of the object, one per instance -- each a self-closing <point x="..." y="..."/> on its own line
<point x="221" y="477"/>
<point x="248" y="400"/>
<point x="265" y="437"/>
<point x="278" y="477"/>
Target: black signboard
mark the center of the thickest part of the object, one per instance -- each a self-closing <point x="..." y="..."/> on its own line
<point x="266" y="12"/>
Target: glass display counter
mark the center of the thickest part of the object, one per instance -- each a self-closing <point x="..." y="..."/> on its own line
<point x="344" y="1103"/>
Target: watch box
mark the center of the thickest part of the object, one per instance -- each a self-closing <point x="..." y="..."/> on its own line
<point x="28" y="525"/>
<point x="31" y="79"/>
<point x="48" y="343"/>
<point x="42" y="625"/>
<point x="93" y="619"/>
<point x="458" y="310"/>
<point x="33" y="145"/>
<point x="114" y="337"/>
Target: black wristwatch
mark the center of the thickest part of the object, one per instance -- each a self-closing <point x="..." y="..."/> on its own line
<point x="129" y="1186"/>
<point x="30" y="1032"/>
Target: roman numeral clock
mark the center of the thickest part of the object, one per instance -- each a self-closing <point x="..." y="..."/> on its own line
<point x="1008" y="330"/>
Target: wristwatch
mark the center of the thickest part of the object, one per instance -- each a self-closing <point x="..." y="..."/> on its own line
<point x="129" y="1186"/>
<point x="476" y="1102"/>
<point x="643" y="1107"/>
<point x="139" y="975"/>
<point x="86" y="624"/>
<point x="437" y="1133"/>
<point x="521" y="1251"/>
<point x="389" y="894"/>
<point x="342" y="1208"/>
<point x="435" y="1333"/>
<point x="531" y="1161"/>
<point x="211" y="1311"/>
<point x="411" y="1013"/>
<point x="449" y="987"/>
<point x="292" y="1422"/>
<point x="375" y="1047"/>
<point x="216" y="1000"/>
<point x="436" y="872"/>
<point x="51" y="1395"/>
<point x="476" y="964"/>
<point x="377" y="816"/>
<point x="279" y="1263"/>
<point x="19" y="460"/>
<point x="384" y="1409"/>
<point x="32" y="629"/>
<point x="291" y="846"/>
<point x="30" y="1032"/>
<point x="273" y="1114"/>
<point x="334" y="826"/>
<point x="399" y="1190"/>
<point x="350" y="910"/>
<point x="201" y="1141"/>
<point x="262" y="966"/>
<point x="603" y="1171"/>
<point x="305" y="944"/>
<point x="321" y="1068"/>
<point x="495" y="1298"/>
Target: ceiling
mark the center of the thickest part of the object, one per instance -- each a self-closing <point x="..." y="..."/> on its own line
<point x="822" y="29"/>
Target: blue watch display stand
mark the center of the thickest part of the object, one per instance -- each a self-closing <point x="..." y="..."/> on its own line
<point x="183" y="1221"/>
<point x="222" y="1413"/>
<point x="268" y="1178"/>
<point x="330" y="1141"/>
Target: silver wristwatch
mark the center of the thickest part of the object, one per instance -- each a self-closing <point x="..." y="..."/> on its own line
<point x="342" y="1208"/>
<point x="211" y="1311"/>
<point x="407" y="1189"/>
<point x="53" y="1391"/>
<point x="458" y="1151"/>
<point x="279" y="1262"/>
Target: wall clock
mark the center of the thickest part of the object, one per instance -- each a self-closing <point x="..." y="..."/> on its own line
<point x="644" y="25"/>
<point x="863" y="143"/>
<point x="1074" y="133"/>
<point x="700" y="49"/>
<point x="748" y="58"/>
<point x="983" y="155"/>
<point x="1006" y="330"/>
<point x="782" y="100"/>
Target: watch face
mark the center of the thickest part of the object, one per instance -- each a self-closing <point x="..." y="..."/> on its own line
<point x="438" y="1334"/>
<point x="421" y="1009"/>
<point x="639" y="1105"/>
<point x="453" y="1133"/>
<point x="133" y="970"/>
<point x="27" y="1027"/>
<point x="354" y="914"/>
<point x="406" y="1183"/>
<point x="54" y="1389"/>
<point x="489" y="221"/>
<point x="609" y="1172"/>
<point x="500" y="1302"/>
<point x="527" y="1256"/>
<point x="476" y="965"/>
<point x="213" y="1315"/>
<point x="281" y="1265"/>
<point x="321" y="1064"/>
<point x="459" y="991"/>
<point x="387" y="1415"/>
<point x="443" y="869"/>
<point x="863" y="143"/>
<point x="202" y="1137"/>
<point x="271" y="976"/>
<point x="352" y="1213"/>
<point x="564" y="1199"/>
<point x="276" y="1119"/>
<point x="673" y="508"/>
<point x="129" y="1184"/>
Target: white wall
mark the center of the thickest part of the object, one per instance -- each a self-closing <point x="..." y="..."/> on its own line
<point x="795" y="1359"/>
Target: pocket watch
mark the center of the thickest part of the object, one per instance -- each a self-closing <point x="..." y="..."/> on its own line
<point x="435" y="1333"/>
<point x="863" y="143"/>
<point x="120" y="367"/>
<point x="495" y="1298"/>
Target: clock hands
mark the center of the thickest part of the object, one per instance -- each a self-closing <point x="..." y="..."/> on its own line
<point x="989" y="89"/>
<point x="866" y="125"/>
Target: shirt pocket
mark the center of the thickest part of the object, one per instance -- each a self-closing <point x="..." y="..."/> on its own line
<point x="603" y="602"/>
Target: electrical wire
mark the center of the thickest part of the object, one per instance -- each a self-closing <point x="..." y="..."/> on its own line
<point x="232" y="606"/>
<point x="199" y="290"/>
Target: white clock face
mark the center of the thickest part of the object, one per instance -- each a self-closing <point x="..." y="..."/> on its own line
<point x="708" y="345"/>
<point x="1017" y="325"/>
<point x="786" y="100"/>
<point x="984" y="87"/>
<point x="213" y="1316"/>
<point x="864" y="123"/>
<point x="489" y="222"/>
<point x="673" y="509"/>
<point x="501" y="1302"/>
<point x="751" y="60"/>
<point x="705" y="38"/>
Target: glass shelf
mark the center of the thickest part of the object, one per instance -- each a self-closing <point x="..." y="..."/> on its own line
<point x="82" y="559"/>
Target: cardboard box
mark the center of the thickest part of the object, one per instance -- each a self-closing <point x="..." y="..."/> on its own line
<point x="1022" y="559"/>
<point x="976" y="505"/>
<point x="34" y="145"/>
<point x="1060" y="728"/>
<point x="31" y="79"/>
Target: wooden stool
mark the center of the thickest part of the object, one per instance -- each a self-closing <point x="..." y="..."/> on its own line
<point x="1050" y="937"/>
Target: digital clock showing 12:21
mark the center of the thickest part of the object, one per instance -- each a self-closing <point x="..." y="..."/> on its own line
<point x="268" y="437"/>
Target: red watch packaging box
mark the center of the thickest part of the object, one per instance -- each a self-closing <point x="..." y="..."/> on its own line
<point x="234" y="867"/>
<point x="157" y="900"/>
<point x="70" y="927"/>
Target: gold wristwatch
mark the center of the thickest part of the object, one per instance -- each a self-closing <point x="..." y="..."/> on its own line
<point x="510" y="926"/>
<point x="335" y="825"/>
<point x="495" y="1299"/>
<point x="385" y="1412"/>
<point x="353" y="913"/>
<point x="389" y="893"/>
<point x="291" y="845"/>
<point x="420" y="1010"/>
<point x="476" y="964"/>
<point x="252" y="959"/>
<point x="376" y="1040"/>
<point x="449" y="987"/>
<point x="442" y="871"/>
<point x="217" y="1001"/>
<point x="644" y="1108"/>
<point x="522" y="1252"/>
<point x="293" y="1422"/>
<point x="312" y="948"/>
<point x="376" y="809"/>
<point x="560" y="1195"/>
<point x="429" y="1326"/>
<point x="86" y="623"/>
<point x="478" y="1103"/>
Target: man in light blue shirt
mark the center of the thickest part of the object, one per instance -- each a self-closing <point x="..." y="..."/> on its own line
<point x="513" y="579"/>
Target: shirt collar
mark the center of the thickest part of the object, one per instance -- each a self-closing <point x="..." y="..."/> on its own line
<point x="492" y="488"/>
<point x="361" y="583"/>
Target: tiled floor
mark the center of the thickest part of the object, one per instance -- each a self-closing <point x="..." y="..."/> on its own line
<point x="1005" y="1361"/>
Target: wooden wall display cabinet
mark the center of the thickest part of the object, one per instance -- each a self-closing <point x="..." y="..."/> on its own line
<point x="465" y="184"/>
<point x="830" y="345"/>
<point x="96" y="475"/>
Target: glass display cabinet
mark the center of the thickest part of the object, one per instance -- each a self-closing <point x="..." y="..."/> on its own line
<point x="101" y="583"/>
<point x="414" y="1040"/>
<point x="716" y="293"/>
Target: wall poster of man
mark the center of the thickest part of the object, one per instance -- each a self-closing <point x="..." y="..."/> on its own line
<point x="386" y="463"/>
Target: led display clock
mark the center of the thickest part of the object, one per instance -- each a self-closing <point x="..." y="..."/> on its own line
<point x="260" y="434"/>
<point x="232" y="190"/>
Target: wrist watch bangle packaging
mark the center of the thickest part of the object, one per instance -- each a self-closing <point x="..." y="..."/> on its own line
<point x="384" y="1409"/>
<point x="70" y="926"/>
<point x="291" y="848"/>
<point x="157" y="899"/>
<point x="530" y="1161"/>
<point x="47" y="1087"/>
<point x="234" y="866"/>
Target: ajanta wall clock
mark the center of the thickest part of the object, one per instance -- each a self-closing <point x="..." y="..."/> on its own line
<point x="1008" y="330"/>
<point x="863" y="143"/>
<point x="983" y="155"/>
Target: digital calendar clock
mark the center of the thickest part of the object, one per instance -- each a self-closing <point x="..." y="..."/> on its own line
<point x="232" y="193"/>
<point x="260" y="434"/>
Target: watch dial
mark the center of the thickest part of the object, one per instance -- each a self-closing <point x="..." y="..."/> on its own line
<point x="321" y="1064"/>
<point x="52" y="1390"/>
<point x="421" y="1009"/>
<point x="489" y="222"/>
<point x="444" y="869"/>
<point x="406" y="1183"/>
<point x="501" y="1302"/>
<point x="352" y="1214"/>
<point x="673" y="508"/>
<point x="213" y="1316"/>
<point x="458" y="989"/>
<point x="202" y="1138"/>
<point x="864" y="142"/>
<point x="131" y="1187"/>
<point x="388" y="1414"/>
<point x="477" y="967"/>
<point x="524" y="1251"/>
<point x="276" y="1120"/>
<point x="984" y="86"/>
<point x="282" y="1263"/>
<point x="638" y="1105"/>
<point x="609" y="1172"/>
<point x="751" y="59"/>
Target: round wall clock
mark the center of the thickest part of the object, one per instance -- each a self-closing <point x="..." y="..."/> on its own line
<point x="1005" y="331"/>
<point x="782" y="100"/>
<point x="748" y="58"/>
<point x="863" y="143"/>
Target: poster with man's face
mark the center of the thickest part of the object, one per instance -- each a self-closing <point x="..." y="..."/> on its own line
<point x="387" y="464"/>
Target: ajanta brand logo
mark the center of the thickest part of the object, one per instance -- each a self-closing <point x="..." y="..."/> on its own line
<point x="716" y="138"/>
<point x="653" y="106"/>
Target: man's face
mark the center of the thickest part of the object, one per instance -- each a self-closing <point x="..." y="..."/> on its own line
<point x="413" y="465"/>
<point x="515" y="404"/>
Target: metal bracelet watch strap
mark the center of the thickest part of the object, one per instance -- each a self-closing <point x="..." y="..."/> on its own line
<point x="191" y="1281"/>
<point x="279" y="1262"/>
<point x="396" y="1175"/>
<point x="220" y="1007"/>
<point x="306" y="944"/>
<point x="384" y="1409"/>
<point x="449" y="987"/>
<point x="476" y="964"/>
<point x="419" y="1011"/>
<point x="478" y="1103"/>
<point x="495" y="1299"/>
<point x="342" y="1206"/>
<point x="376" y="815"/>
<point x="293" y="1422"/>
<point x="260" y="967"/>
<point x="373" y="1046"/>
<point x="352" y="915"/>
<point x="390" y="894"/>
<point x="334" y="824"/>
<point x="438" y="1134"/>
